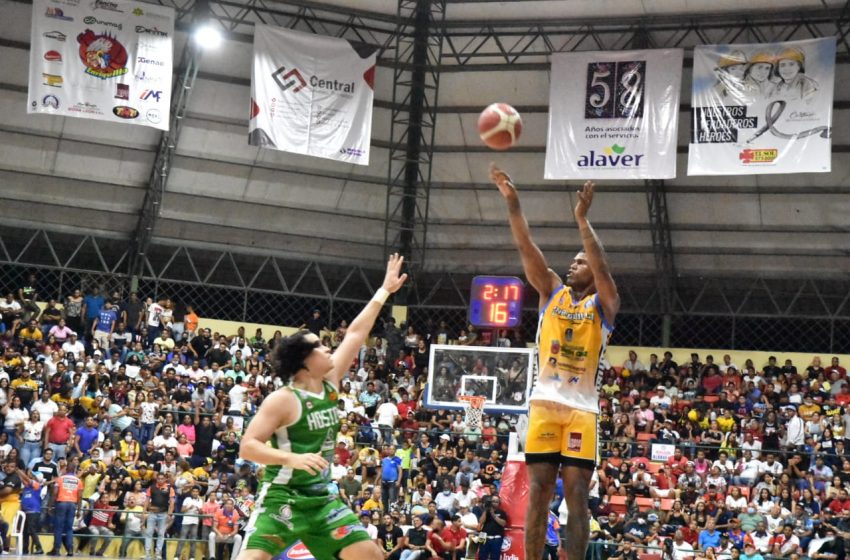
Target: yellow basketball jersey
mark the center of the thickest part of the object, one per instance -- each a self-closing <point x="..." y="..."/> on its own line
<point x="571" y="340"/>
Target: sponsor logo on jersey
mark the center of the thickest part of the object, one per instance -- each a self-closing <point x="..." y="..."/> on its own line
<point x="284" y="516"/>
<point x="337" y="514"/>
<point x="53" y="56"/>
<point x="574" y="443"/>
<point x="341" y="532"/>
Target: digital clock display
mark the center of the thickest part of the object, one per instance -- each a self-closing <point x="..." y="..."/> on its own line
<point x="495" y="301"/>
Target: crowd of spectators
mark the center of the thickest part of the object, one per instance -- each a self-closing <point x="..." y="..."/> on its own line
<point x="145" y="408"/>
<point x="713" y="460"/>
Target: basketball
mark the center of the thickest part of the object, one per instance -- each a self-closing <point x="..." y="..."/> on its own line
<point x="499" y="126"/>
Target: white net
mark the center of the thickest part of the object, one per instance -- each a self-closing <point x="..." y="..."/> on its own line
<point x="473" y="411"/>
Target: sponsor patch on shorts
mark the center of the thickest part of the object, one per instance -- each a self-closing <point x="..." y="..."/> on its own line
<point x="574" y="443"/>
<point x="341" y="532"/>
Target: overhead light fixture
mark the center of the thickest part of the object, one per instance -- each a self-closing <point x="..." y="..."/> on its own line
<point x="207" y="35"/>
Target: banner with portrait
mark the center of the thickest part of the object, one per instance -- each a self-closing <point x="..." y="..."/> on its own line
<point x="108" y="60"/>
<point x="762" y="108"/>
<point x="614" y="115"/>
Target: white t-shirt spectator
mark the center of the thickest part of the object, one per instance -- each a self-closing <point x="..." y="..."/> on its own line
<point x="445" y="501"/>
<point x="338" y="471"/>
<point x="751" y="469"/>
<point x="33" y="430"/>
<point x="682" y="551"/>
<point x="774" y="469"/>
<point x="14" y="417"/>
<point x="75" y="348"/>
<point x="387" y="414"/>
<point x="154" y="311"/>
<point x="45" y="410"/>
<point x="149" y="410"/>
<point x="736" y="504"/>
<point x="372" y="531"/>
<point x="754" y="446"/>
<point x="161" y="443"/>
<point x="237" y="397"/>
<point x="191" y="508"/>
<point x="661" y="400"/>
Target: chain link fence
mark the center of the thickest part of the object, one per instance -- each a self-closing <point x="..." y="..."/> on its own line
<point x="271" y="291"/>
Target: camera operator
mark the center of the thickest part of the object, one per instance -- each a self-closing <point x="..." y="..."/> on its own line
<point x="492" y="524"/>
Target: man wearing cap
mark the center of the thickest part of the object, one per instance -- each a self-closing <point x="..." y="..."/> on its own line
<point x="751" y="553"/>
<point x="74" y="347"/>
<point x="661" y="399"/>
<point x="795" y="428"/>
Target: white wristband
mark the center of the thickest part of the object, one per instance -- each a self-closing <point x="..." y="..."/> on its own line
<point x="381" y="296"/>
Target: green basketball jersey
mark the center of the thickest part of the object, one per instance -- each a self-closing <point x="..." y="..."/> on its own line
<point x="314" y="432"/>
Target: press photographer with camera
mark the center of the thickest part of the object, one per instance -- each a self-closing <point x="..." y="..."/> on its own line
<point x="491" y="528"/>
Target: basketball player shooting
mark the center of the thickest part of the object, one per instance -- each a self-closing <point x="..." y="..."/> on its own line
<point x="576" y="319"/>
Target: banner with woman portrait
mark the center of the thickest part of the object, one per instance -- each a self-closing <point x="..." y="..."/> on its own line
<point x="762" y="108"/>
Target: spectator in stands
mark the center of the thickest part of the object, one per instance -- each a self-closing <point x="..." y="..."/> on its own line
<point x="225" y="531"/>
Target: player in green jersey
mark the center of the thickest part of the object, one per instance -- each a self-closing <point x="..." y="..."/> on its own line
<point x="294" y="435"/>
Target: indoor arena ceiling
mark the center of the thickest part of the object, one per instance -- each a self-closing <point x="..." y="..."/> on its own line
<point x="79" y="176"/>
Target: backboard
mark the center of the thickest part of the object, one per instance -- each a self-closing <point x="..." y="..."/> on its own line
<point x="502" y="375"/>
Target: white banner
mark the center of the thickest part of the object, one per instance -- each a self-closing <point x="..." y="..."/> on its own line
<point x="109" y="60"/>
<point x="614" y="115"/>
<point x="311" y="94"/>
<point x="762" y="108"/>
<point x="662" y="451"/>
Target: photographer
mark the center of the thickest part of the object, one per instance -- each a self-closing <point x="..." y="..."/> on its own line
<point x="492" y="525"/>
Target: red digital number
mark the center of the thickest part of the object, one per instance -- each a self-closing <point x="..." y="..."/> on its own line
<point x="499" y="313"/>
<point x="513" y="289"/>
<point x="487" y="294"/>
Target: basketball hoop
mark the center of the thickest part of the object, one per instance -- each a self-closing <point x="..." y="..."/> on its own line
<point x="473" y="410"/>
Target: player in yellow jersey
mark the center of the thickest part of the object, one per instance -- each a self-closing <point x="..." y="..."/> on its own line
<point x="576" y="319"/>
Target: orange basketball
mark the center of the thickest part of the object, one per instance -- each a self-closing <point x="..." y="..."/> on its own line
<point x="499" y="126"/>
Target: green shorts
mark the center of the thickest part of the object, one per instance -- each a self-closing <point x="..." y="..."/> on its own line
<point x="282" y="517"/>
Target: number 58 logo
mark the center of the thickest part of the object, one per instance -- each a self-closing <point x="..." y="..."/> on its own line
<point x="615" y="90"/>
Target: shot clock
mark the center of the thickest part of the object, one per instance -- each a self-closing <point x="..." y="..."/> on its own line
<point x="495" y="301"/>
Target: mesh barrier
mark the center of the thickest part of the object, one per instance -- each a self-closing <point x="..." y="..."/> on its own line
<point x="778" y="315"/>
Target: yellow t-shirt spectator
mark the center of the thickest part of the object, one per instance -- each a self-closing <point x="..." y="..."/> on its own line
<point x="33" y="335"/>
<point x="59" y="399"/>
<point x="137" y="474"/>
<point x="806" y="410"/>
<point x="28" y="384"/>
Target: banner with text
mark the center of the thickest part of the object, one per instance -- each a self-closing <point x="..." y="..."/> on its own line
<point x="762" y="108"/>
<point x="312" y="95"/>
<point x="614" y="115"/>
<point x="108" y="60"/>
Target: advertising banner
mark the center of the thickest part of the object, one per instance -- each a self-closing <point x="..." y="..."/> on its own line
<point x="311" y="94"/>
<point x="108" y="60"/>
<point x="614" y="115"/>
<point x="762" y="108"/>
